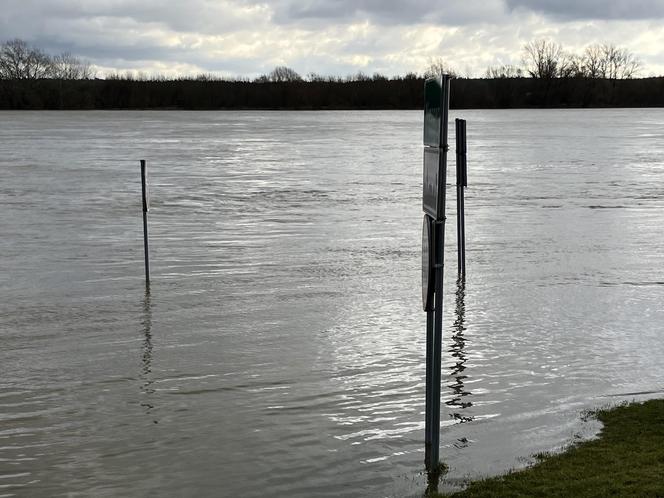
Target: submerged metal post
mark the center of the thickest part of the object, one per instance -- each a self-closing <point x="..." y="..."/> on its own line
<point x="428" y="276"/>
<point x="439" y="265"/>
<point x="436" y="115"/>
<point x="428" y="422"/>
<point x="146" y="207"/>
<point x="439" y="262"/>
<point x="437" y="350"/>
<point x="461" y="182"/>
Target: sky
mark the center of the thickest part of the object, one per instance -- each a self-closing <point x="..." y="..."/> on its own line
<point x="329" y="37"/>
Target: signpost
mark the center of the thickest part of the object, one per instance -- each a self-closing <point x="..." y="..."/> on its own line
<point x="146" y="207"/>
<point x="436" y="112"/>
<point x="461" y="183"/>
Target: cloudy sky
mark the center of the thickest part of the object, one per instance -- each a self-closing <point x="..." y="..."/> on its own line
<point x="340" y="37"/>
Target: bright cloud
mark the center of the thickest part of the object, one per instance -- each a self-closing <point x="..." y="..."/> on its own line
<point x="341" y="37"/>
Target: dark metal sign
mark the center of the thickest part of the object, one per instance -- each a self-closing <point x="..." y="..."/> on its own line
<point x="436" y="112"/>
<point x="433" y="111"/>
<point x="461" y="150"/>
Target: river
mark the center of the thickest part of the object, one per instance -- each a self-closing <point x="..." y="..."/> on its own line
<point x="280" y="351"/>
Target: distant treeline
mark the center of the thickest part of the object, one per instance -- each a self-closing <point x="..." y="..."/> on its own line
<point x="400" y="93"/>
<point x="601" y="76"/>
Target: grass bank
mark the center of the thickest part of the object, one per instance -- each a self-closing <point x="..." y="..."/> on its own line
<point x="626" y="460"/>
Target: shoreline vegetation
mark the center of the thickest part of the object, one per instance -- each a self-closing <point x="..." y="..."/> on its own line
<point x="363" y="94"/>
<point x="602" y="75"/>
<point x="626" y="460"/>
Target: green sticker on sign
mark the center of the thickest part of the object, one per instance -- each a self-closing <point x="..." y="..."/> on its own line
<point x="433" y="111"/>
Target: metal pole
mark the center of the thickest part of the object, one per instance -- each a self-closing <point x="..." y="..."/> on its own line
<point x="461" y="182"/>
<point x="459" y="190"/>
<point x="437" y="348"/>
<point x="464" y="173"/>
<point x="146" y="207"/>
<point x="427" y="411"/>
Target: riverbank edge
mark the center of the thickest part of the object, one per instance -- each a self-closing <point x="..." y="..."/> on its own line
<point x="627" y="459"/>
<point x="394" y="94"/>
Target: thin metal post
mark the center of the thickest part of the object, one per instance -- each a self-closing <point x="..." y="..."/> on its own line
<point x="461" y="182"/>
<point x="464" y="172"/>
<point x="437" y="348"/>
<point x="146" y="207"/>
<point x="427" y="410"/>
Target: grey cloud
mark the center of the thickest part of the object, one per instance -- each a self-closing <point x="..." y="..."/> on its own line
<point x="593" y="9"/>
<point x="195" y="16"/>
<point x="222" y="16"/>
<point x="119" y="51"/>
<point x="155" y="33"/>
<point x="119" y="30"/>
<point x="388" y="11"/>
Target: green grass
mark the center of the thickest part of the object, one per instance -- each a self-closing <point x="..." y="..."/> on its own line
<point x="626" y="460"/>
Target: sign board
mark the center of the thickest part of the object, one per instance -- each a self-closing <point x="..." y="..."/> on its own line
<point x="433" y="111"/>
<point x="428" y="280"/>
<point x="430" y="181"/>
<point x="461" y="149"/>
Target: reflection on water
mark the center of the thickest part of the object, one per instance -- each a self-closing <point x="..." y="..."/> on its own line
<point x="147" y="386"/>
<point x="283" y="345"/>
<point x="460" y="401"/>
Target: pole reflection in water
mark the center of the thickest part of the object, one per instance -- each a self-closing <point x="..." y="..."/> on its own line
<point x="147" y="387"/>
<point x="460" y="401"/>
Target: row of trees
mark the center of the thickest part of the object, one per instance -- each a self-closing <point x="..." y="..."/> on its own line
<point x="546" y="59"/>
<point x="280" y="74"/>
<point x="20" y="61"/>
<point x="542" y="59"/>
<point x="386" y="94"/>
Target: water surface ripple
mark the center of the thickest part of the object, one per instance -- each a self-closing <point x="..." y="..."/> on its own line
<point x="281" y="350"/>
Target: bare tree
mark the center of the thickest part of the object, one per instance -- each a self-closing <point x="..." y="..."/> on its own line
<point x="631" y="66"/>
<point x="544" y="59"/>
<point x="20" y="61"/>
<point x="593" y="61"/>
<point x="610" y="62"/>
<point x="618" y="63"/>
<point x="504" y="71"/>
<point x="359" y="76"/>
<point x="571" y="66"/>
<point x="67" y="67"/>
<point x="283" y="73"/>
<point x="312" y="76"/>
<point x="438" y="66"/>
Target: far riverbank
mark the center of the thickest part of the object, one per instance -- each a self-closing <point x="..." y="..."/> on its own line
<point x="398" y="93"/>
